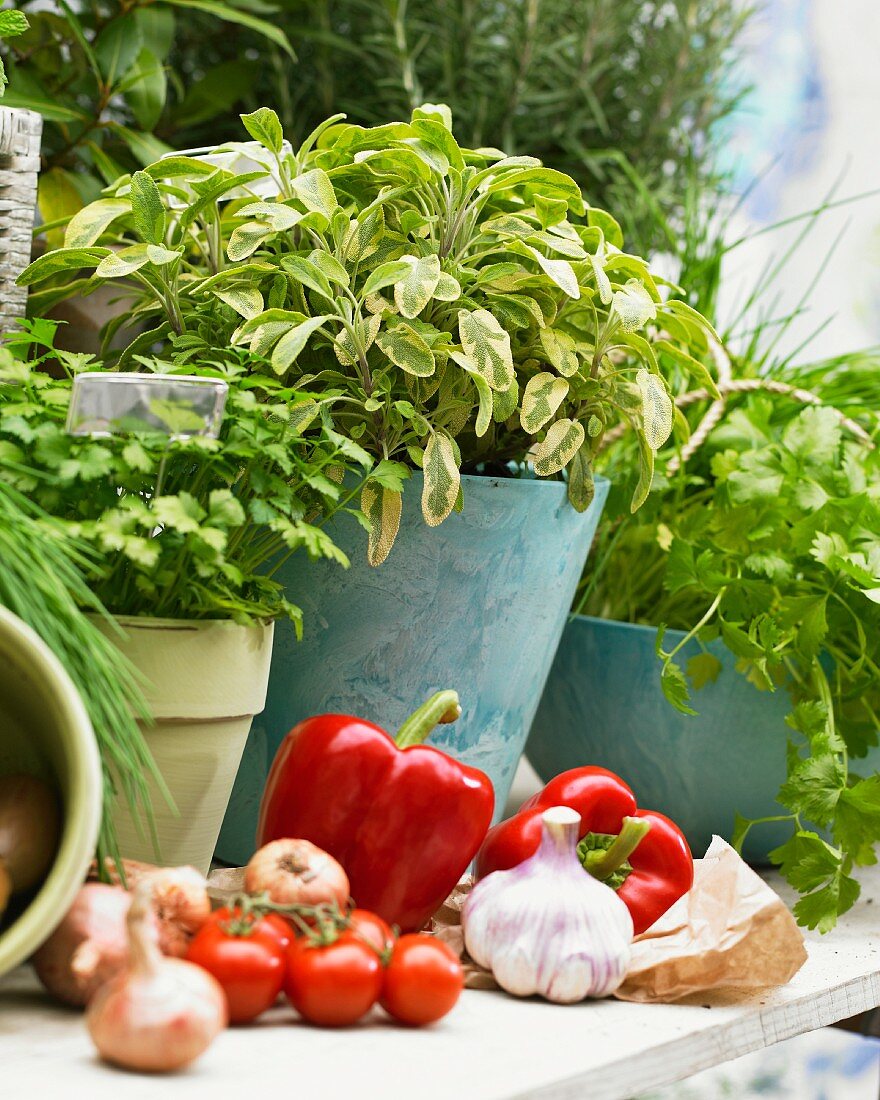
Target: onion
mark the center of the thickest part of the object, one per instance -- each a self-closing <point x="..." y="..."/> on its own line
<point x="296" y="872"/>
<point x="91" y="944"/>
<point x="88" y="947"/>
<point x="181" y="903"/>
<point x="29" y="831"/>
<point x="157" y="1014"/>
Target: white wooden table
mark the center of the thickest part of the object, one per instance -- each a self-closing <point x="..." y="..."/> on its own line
<point x="492" y="1047"/>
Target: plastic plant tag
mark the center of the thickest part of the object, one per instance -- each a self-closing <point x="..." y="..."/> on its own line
<point x="180" y="406"/>
<point x="239" y="158"/>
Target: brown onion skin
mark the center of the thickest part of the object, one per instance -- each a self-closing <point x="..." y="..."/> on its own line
<point x="181" y="903"/>
<point x="297" y="872"/>
<point x="30" y="827"/>
<point x="88" y="947"/>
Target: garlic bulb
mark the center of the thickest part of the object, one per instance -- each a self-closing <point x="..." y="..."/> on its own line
<point x="545" y="927"/>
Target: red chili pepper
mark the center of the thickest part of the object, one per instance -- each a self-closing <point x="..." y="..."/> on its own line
<point x="641" y="853"/>
<point x="402" y="818"/>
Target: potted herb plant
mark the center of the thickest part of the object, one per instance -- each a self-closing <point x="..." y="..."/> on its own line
<point x="757" y="557"/>
<point x="471" y="323"/>
<point x="179" y="526"/>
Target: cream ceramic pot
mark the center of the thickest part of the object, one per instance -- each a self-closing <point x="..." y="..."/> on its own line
<point x="204" y="681"/>
<point x="45" y="731"/>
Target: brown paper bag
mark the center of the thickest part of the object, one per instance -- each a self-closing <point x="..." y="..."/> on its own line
<point x="731" y="931"/>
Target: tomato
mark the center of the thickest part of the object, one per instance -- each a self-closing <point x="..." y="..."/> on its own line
<point x="334" y="985"/>
<point x="370" y="926"/>
<point x="423" y="980"/>
<point x="247" y="957"/>
<point x="271" y="923"/>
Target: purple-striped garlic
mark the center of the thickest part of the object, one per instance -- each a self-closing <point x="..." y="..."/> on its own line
<point x="545" y="927"/>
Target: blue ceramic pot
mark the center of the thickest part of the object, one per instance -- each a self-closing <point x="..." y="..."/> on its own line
<point x="603" y="705"/>
<point x="477" y="604"/>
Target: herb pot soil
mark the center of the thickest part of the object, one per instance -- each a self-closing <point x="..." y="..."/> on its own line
<point x="603" y="705"/>
<point x="477" y="604"/>
<point x="204" y="681"/>
<point x="45" y="731"/>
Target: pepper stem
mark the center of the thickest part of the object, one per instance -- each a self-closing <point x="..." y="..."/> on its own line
<point x="602" y="864"/>
<point x="438" y="710"/>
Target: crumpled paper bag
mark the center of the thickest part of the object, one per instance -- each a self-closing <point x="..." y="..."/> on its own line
<point x="730" y="931"/>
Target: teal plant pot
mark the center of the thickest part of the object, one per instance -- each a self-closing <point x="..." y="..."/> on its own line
<point x="603" y="705"/>
<point x="477" y="604"/>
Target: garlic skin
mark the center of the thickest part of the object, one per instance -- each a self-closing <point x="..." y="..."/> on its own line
<point x="545" y="926"/>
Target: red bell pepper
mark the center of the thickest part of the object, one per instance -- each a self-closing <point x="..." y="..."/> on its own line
<point x="402" y="818"/>
<point x="640" y="853"/>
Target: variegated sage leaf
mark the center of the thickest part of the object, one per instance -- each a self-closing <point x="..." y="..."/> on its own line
<point x="558" y="447"/>
<point x="247" y="301"/>
<point x="276" y="214"/>
<point x="543" y="395"/>
<point x="300" y="415"/>
<point x="581" y="487"/>
<point x="634" y="306"/>
<point x="379" y="304"/>
<point x="128" y="260"/>
<point x="515" y="310"/>
<point x="487" y="346"/>
<point x="292" y="343"/>
<point x="646" y="473"/>
<point x="265" y="127"/>
<point x="87" y="225"/>
<point x="364" y="236"/>
<point x="413" y="292"/>
<point x="603" y="283"/>
<point x="384" y="275"/>
<point x="330" y="266"/>
<point x="442" y="479"/>
<point x="309" y="275"/>
<point x="564" y="246"/>
<point x="504" y="402"/>
<point x="382" y="507"/>
<point x="561" y="350"/>
<point x="344" y="345"/>
<point x="484" y="393"/>
<point x="147" y="209"/>
<point x="406" y="349"/>
<point x="315" y="191"/>
<point x="656" y="409"/>
<point x="246" y="239"/>
<point x="448" y="288"/>
<point x="558" y="271"/>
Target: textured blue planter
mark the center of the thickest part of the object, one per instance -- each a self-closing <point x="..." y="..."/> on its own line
<point x="477" y="604"/>
<point x="603" y="705"/>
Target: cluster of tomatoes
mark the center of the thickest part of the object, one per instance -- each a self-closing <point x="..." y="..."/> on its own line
<point x="333" y="973"/>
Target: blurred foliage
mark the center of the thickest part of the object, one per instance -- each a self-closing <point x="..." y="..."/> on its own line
<point x="102" y="75"/>
<point x="621" y="94"/>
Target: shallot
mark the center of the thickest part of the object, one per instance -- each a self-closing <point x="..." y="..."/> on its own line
<point x="89" y="945"/>
<point x="297" y="872"/>
<point x="157" y="1014"/>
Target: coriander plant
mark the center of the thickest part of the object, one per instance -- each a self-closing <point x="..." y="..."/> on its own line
<point x="182" y="527"/>
<point x="764" y="532"/>
<point x="456" y="309"/>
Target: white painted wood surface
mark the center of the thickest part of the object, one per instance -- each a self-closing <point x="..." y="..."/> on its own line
<point x="492" y="1047"/>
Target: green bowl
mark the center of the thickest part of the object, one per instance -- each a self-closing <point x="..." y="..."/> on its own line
<point x="45" y="731"/>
